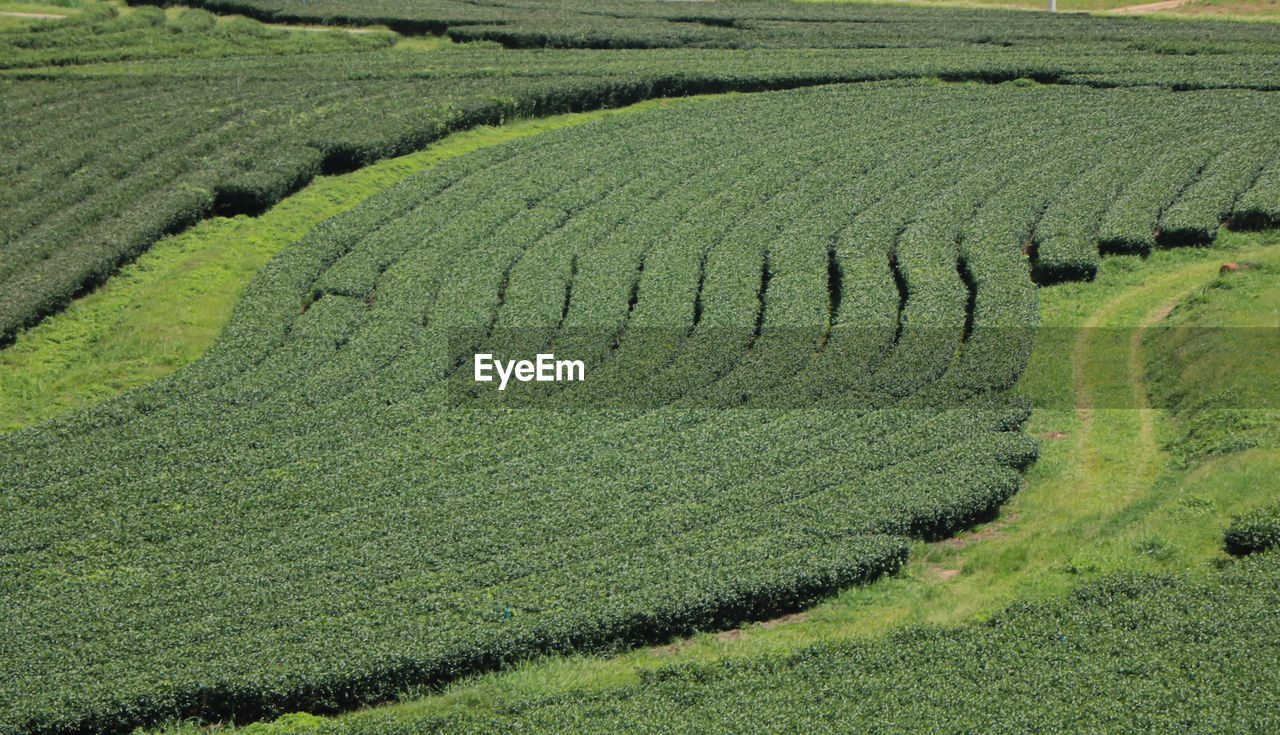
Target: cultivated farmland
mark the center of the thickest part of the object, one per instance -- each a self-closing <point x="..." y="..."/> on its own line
<point x="185" y="125"/>
<point x="631" y="24"/>
<point x="309" y="471"/>
<point x="801" y="313"/>
<point x="1126" y="654"/>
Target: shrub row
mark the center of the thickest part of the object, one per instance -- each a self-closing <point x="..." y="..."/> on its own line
<point x="620" y="24"/>
<point x="1257" y="530"/>
<point x="198" y="123"/>
<point x="312" y="466"/>
<point x="1123" y="654"/>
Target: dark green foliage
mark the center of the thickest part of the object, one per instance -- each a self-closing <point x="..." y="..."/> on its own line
<point x="304" y="519"/>
<point x="307" y="492"/>
<point x="86" y="38"/>
<point x="108" y="163"/>
<point x="193" y="21"/>
<point x="151" y="16"/>
<point x="310" y="472"/>
<point x="1257" y="530"/>
<point x="618" y="24"/>
<point x="111" y="158"/>
<point x="1125" y="654"/>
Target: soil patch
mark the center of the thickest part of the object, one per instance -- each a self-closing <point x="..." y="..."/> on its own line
<point x="941" y="574"/>
<point x="959" y="542"/>
<point x="792" y="618"/>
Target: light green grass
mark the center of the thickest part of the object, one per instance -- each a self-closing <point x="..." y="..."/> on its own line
<point x="17" y="6"/>
<point x="1222" y="382"/>
<point x="8" y="22"/>
<point x="164" y="309"/>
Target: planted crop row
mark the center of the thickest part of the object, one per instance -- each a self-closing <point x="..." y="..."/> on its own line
<point x="799" y="351"/>
<point x="1254" y="531"/>
<point x="1124" y="654"/>
<point x="226" y="120"/>
<point x="646" y="25"/>
<point x="98" y="35"/>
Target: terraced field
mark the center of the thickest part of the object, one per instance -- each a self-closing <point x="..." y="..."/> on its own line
<point x="135" y="127"/>
<point x="306" y="518"/>
<point x="649" y="24"/>
<point x="800" y="314"/>
<point x="1108" y="658"/>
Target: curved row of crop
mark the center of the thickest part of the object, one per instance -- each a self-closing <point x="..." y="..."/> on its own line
<point x="111" y="157"/>
<point x="627" y="24"/>
<point x="1128" y="652"/>
<point x="797" y="350"/>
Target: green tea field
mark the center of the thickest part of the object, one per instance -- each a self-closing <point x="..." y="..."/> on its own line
<point x="636" y="366"/>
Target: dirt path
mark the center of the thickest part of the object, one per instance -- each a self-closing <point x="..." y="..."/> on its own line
<point x="12" y="14"/>
<point x="322" y="29"/>
<point x="1148" y="7"/>
<point x="1140" y="462"/>
<point x="1108" y="378"/>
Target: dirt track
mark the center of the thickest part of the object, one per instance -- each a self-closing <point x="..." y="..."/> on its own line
<point x="32" y="15"/>
<point x="1148" y="7"/>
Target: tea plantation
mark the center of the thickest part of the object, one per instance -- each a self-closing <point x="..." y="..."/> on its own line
<point x="648" y="24"/>
<point x="800" y="313"/>
<point x="1125" y="654"/>
<point x="122" y="130"/>
<point x="302" y="520"/>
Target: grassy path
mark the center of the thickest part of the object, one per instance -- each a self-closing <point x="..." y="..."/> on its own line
<point x="1117" y="454"/>
<point x="31" y="15"/>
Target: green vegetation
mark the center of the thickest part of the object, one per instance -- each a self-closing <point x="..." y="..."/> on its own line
<point x="1238" y="10"/>
<point x="162" y="311"/>
<point x="1219" y="376"/>
<point x="100" y="33"/>
<point x="9" y="22"/>
<point x="570" y="574"/>
<point x="53" y="7"/>
<point x="617" y="24"/>
<point x="1126" y="653"/>
<point x="1102" y="499"/>
<point x="802" y="313"/>
<point x="116" y="155"/>
<point x="1257" y="530"/>
<point x="319" y="428"/>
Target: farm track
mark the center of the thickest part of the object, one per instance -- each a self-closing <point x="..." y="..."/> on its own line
<point x="1150" y="7"/>
<point x="1116" y="471"/>
<point x="11" y="14"/>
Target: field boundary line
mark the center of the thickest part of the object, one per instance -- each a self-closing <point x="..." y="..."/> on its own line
<point x="16" y="14"/>
<point x="1149" y="7"/>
